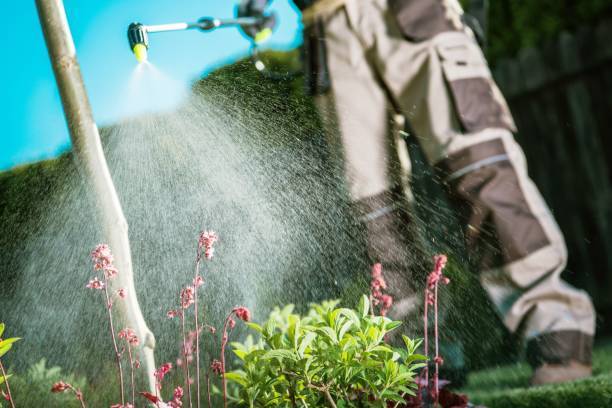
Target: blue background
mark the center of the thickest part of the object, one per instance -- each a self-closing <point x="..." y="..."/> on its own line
<point x="32" y="118"/>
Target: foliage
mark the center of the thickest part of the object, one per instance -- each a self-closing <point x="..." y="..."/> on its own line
<point x="508" y="386"/>
<point x="5" y="346"/>
<point x="516" y="24"/>
<point x="32" y="388"/>
<point x="331" y="354"/>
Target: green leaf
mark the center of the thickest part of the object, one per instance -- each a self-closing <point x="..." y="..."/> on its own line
<point x="306" y="340"/>
<point x="1" y="329"/>
<point x="9" y="341"/>
<point x="279" y="354"/>
<point x="5" y="349"/>
<point x="392" y="325"/>
<point x="364" y="306"/>
<point x="3" y="378"/>
<point x="255" y="327"/>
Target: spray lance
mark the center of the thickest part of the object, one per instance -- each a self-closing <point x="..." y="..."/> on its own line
<point x="138" y="34"/>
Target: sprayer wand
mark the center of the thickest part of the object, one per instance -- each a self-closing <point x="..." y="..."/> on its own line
<point x="138" y="34"/>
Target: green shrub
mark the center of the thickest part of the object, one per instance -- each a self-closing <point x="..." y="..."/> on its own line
<point x="331" y="354"/>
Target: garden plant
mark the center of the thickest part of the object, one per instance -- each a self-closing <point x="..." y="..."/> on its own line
<point x="331" y="356"/>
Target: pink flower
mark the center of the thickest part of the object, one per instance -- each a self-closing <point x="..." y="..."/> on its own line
<point x="110" y="272"/>
<point x="5" y="395"/>
<point x="217" y="367"/>
<point x="95" y="283"/>
<point x="122" y="293"/>
<point x="187" y="297"/>
<point x="377" y="285"/>
<point x="161" y="372"/>
<point x="171" y="314"/>
<point x="102" y="257"/>
<point x="206" y="241"/>
<point x="438" y="360"/>
<point x="211" y="329"/>
<point x="242" y="313"/>
<point x="377" y="270"/>
<point x="387" y="301"/>
<point x="127" y="405"/>
<point x="176" y="398"/>
<point x="198" y="281"/>
<point x="231" y="323"/>
<point x="136" y="363"/>
<point x="130" y="336"/>
<point x="60" y="386"/>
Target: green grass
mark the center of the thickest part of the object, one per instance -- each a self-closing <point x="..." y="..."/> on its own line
<point x="507" y="386"/>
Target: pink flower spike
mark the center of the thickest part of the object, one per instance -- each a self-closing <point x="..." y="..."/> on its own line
<point x="206" y="241"/>
<point x="440" y="261"/>
<point x="187" y="297"/>
<point x="130" y="336"/>
<point x="102" y="257"/>
<point x="122" y="293"/>
<point x="231" y="323"/>
<point x="95" y="283"/>
<point x="243" y="313"/>
<point x="217" y="367"/>
<point x="171" y="314"/>
<point x="377" y="270"/>
<point x="178" y="392"/>
<point x="198" y="281"/>
<point x="60" y="386"/>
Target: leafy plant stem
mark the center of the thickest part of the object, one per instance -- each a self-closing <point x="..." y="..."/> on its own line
<point x="8" y="388"/>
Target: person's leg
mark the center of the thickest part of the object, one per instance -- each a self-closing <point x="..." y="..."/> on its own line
<point x="357" y="116"/>
<point x="442" y="82"/>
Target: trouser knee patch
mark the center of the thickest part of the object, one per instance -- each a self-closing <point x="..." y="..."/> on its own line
<point x="560" y="347"/>
<point x="498" y="221"/>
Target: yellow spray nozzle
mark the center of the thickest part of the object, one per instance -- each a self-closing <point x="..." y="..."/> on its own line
<point x="263" y="35"/>
<point x="140" y="52"/>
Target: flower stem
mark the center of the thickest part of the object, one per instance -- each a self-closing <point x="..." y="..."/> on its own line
<point x="426" y="340"/>
<point x="208" y="387"/>
<point x="436" y="359"/>
<point x="112" y="330"/>
<point x="185" y="362"/>
<point x="197" y="329"/>
<point x="132" y="375"/>
<point x="224" y="340"/>
<point x="8" y="388"/>
<point x="79" y="395"/>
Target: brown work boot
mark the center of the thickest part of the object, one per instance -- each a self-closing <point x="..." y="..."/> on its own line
<point x="560" y="373"/>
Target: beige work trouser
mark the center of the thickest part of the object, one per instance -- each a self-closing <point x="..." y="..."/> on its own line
<point x="440" y="81"/>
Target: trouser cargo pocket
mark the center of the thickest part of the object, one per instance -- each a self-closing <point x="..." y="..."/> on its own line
<point x="478" y="102"/>
<point x="420" y="20"/>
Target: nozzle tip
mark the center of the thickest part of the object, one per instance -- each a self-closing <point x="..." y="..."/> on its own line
<point x="140" y="52"/>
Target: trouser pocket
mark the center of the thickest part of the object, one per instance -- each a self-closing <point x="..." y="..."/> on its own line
<point x="500" y="226"/>
<point x="478" y="102"/>
<point x="314" y="54"/>
<point x="420" y="20"/>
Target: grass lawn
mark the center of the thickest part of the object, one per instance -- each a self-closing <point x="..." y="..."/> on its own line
<point x="507" y="386"/>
